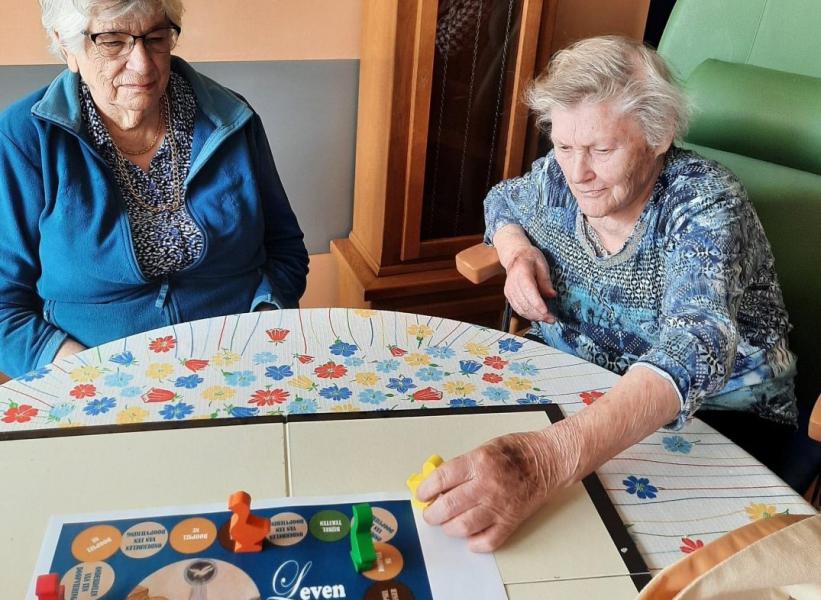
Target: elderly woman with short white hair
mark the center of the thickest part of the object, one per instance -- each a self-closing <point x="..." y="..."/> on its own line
<point x="637" y="256"/>
<point x="136" y="192"/>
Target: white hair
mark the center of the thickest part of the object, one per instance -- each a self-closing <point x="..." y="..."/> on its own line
<point x="70" y="18"/>
<point x="619" y="70"/>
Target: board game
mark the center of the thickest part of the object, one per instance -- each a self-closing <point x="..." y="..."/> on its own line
<point x="187" y="554"/>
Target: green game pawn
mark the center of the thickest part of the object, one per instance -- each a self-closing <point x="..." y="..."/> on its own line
<point x="363" y="553"/>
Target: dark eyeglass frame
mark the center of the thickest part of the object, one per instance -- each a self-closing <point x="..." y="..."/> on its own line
<point x="93" y="36"/>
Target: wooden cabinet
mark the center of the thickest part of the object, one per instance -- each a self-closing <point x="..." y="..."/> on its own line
<point x="440" y="121"/>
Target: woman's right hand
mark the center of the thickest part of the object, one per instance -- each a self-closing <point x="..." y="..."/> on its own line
<point x="528" y="283"/>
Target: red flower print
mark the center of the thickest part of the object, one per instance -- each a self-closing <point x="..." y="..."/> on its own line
<point x="491" y="378"/>
<point x="158" y="395"/>
<point x="689" y="545"/>
<point x="195" y="364"/>
<point x="590" y="397"/>
<point x="397" y="351"/>
<point x="304" y="358"/>
<point x="427" y="394"/>
<point x="163" y="344"/>
<point x="84" y="390"/>
<point x="269" y="397"/>
<point x="330" y="370"/>
<point x="277" y="335"/>
<point x="20" y="414"/>
<point x="495" y="362"/>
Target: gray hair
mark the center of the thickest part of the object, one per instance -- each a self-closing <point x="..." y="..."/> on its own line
<point x="71" y="17"/>
<point x="617" y="69"/>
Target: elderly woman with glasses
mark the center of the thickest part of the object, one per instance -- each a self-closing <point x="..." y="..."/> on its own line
<point x="640" y="257"/>
<point x="136" y="192"/>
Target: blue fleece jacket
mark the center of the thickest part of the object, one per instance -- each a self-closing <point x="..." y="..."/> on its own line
<point x="67" y="262"/>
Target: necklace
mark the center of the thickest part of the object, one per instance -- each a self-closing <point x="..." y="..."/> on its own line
<point x="153" y="142"/>
<point x="176" y="185"/>
<point x="594" y="239"/>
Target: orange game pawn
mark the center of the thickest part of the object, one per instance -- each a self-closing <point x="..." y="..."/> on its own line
<point x="246" y="530"/>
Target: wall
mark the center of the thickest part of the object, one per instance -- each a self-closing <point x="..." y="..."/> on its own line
<point x="297" y="63"/>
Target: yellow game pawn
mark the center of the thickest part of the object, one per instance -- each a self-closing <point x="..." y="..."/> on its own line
<point x="415" y="479"/>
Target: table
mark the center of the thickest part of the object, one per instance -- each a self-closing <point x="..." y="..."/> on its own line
<point x="674" y="491"/>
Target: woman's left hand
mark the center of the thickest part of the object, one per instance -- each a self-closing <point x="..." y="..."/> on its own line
<point x="485" y="494"/>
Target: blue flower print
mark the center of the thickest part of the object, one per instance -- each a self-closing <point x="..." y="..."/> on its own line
<point x="462" y="402"/>
<point x="640" y="486"/>
<point x="280" y="372"/>
<point x="178" y="411"/>
<point x="241" y="378"/>
<point x="335" y="392"/>
<point x="60" y="411"/>
<point x="430" y="374"/>
<point x="372" y="397"/>
<point x="99" y="406"/>
<point x="300" y="406"/>
<point x="523" y="368"/>
<point x="189" y="382"/>
<point x="243" y="411"/>
<point x="510" y="345"/>
<point x="440" y="352"/>
<point x="677" y="443"/>
<point x="533" y="399"/>
<point x="401" y="384"/>
<point x="125" y="359"/>
<point x="260" y="358"/>
<point x="387" y="366"/>
<point x="131" y="392"/>
<point x="340" y="348"/>
<point x="35" y="374"/>
<point x="495" y="394"/>
<point x="353" y="361"/>
<point x="118" y="379"/>
<point x="469" y="367"/>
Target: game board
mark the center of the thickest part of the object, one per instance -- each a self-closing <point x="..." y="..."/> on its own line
<point x="185" y="554"/>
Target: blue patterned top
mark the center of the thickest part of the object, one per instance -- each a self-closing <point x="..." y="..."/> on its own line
<point x="693" y="293"/>
<point x="165" y="242"/>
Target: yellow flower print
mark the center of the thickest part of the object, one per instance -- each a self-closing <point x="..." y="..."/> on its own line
<point x="63" y="425"/>
<point x="366" y="378"/>
<point x="459" y="388"/>
<point x="344" y="408"/>
<point x="159" y="370"/>
<point x="477" y="349"/>
<point x="420" y="331"/>
<point x="85" y="374"/>
<point x="133" y="414"/>
<point x="218" y="393"/>
<point x="518" y="384"/>
<point x="225" y="358"/>
<point x="302" y="382"/>
<point x="365" y="313"/>
<point x="760" y="511"/>
<point x="417" y="359"/>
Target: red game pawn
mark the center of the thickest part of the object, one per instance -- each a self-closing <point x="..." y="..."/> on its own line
<point x="246" y="530"/>
<point x="48" y="587"/>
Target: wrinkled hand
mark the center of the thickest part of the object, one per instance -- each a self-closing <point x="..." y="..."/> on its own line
<point x="528" y="283"/>
<point x="485" y="494"/>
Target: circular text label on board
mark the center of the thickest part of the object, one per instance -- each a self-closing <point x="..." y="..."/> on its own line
<point x="144" y="539"/>
<point x="384" y="525"/>
<point x="329" y="525"/>
<point x="287" y="529"/>
<point x="193" y="535"/>
<point x="390" y="590"/>
<point x="389" y="563"/>
<point x="88" y="581"/>
<point x="96" y="543"/>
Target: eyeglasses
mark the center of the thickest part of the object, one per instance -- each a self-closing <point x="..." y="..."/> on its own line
<point x="116" y="44"/>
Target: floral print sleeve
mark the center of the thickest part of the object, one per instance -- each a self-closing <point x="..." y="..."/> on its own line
<point x="514" y="201"/>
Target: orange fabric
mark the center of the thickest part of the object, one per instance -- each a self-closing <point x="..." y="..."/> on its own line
<point x="672" y="580"/>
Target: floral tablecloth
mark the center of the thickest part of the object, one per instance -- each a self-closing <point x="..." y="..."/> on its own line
<point x="675" y="491"/>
